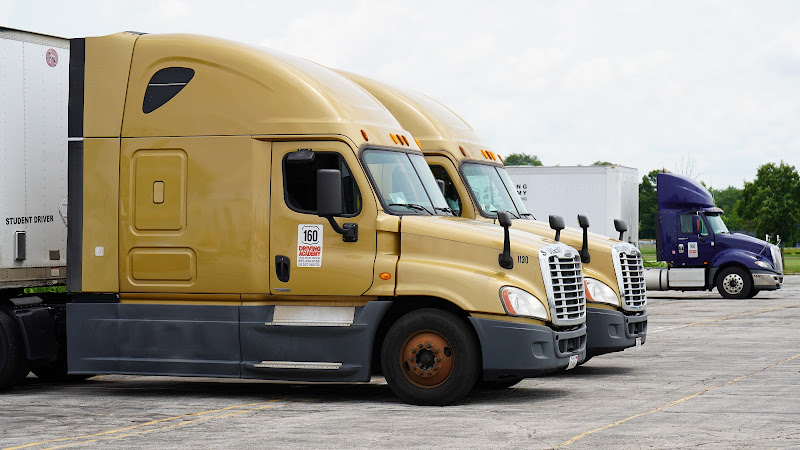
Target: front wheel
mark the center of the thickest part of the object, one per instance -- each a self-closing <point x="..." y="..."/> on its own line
<point x="734" y="282"/>
<point x="430" y="357"/>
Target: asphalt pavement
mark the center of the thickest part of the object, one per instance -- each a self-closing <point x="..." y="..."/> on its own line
<point x="713" y="373"/>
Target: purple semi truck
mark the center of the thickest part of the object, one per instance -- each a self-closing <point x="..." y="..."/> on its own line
<point x="699" y="250"/>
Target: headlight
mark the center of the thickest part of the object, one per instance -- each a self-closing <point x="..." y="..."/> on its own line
<point x="597" y="291"/>
<point x="520" y="303"/>
<point x="764" y="264"/>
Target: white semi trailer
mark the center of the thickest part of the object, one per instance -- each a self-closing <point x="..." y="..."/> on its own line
<point x="33" y="159"/>
<point x="601" y="193"/>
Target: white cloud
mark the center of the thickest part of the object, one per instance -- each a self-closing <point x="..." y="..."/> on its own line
<point x="640" y="83"/>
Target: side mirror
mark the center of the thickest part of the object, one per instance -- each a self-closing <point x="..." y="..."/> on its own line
<point x="557" y="223"/>
<point x="440" y="183"/>
<point x="329" y="202"/>
<point x="329" y="192"/>
<point x="300" y="156"/>
<point x="696" y="227"/>
<point x="504" y="219"/>
<point x="504" y="259"/>
<point x="583" y="222"/>
<point x="621" y="227"/>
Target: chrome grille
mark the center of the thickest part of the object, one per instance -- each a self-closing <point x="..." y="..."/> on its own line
<point x="630" y="276"/>
<point x="565" y="290"/>
<point x="776" y="258"/>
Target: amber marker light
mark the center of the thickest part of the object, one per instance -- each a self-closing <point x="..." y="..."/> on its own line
<point x="485" y="156"/>
<point x="405" y="139"/>
<point x="463" y="152"/>
<point x="500" y="158"/>
<point x="415" y="140"/>
<point x="385" y="276"/>
<point x="394" y="138"/>
<point x="364" y="133"/>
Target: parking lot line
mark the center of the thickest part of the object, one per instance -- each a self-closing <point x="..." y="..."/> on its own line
<point x="676" y="402"/>
<point x="737" y="316"/>
<point x="106" y="435"/>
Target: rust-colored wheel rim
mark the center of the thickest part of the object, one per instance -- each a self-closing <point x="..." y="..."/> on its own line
<point x="426" y="359"/>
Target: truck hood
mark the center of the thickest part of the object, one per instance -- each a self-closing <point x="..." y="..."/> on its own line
<point x="474" y="232"/>
<point x="740" y="241"/>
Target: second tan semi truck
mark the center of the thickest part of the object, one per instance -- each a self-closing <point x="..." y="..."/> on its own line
<point x="238" y="212"/>
<point x="477" y="186"/>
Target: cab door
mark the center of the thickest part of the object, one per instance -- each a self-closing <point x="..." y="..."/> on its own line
<point x="309" y="257"/>
<point x="695" y="241"/>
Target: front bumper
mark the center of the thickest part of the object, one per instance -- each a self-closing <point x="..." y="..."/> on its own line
<point x="513" y="349"/>
<point x="612" y="331"/>
<point x="766" y="280"/>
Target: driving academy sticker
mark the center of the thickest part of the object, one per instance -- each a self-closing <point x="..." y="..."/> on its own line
<point x="309" y="245"/>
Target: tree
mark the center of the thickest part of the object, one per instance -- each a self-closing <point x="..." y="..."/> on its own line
<point x="772" y="202"/>
<point x="727" y="199"/>
<point x="603" y="163"/>
<point x="522" y="159"/>
<point x="648" y="205"/>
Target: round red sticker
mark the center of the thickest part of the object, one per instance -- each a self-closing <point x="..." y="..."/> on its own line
<point x="52" y="57"/>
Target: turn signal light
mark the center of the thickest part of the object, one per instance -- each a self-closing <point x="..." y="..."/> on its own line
<point x="385" y="276"/>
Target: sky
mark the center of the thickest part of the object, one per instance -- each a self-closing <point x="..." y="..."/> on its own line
<point x="707" y="88"/>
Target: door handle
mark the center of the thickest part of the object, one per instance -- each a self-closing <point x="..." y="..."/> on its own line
<point x="282" y="265"/>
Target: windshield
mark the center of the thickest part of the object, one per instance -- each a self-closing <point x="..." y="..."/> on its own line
<point x="405" y="183"/>
<point x="716" y="223"/>
<point x="492" y="190"/>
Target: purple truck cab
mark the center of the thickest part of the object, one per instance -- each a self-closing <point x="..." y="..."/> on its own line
<point x="699" y="250"/>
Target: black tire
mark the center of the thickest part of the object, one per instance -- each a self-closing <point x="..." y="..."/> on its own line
<point x="734" y="282"/>
<point x="13" y="364"/>
<point x="753" y="292"/>
<point x="430" y="357"/>
<point x="498" y="384"/>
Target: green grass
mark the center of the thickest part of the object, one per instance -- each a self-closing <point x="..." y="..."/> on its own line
<point x="791" y="258"/>
<point x="45" y="289"/>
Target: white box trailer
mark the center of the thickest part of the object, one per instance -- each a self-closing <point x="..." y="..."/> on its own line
<point x="601" y="193"/>
<point x="34" y="88"/>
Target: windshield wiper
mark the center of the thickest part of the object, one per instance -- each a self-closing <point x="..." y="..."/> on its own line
<point x="448" y="210"/>
<point x="510" y="212"/>
<point x="412" y="206"/>
<point x="528" y="215"/>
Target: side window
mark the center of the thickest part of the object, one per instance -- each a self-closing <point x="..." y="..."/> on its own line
<point x="450" y="191"/>
<point x="686" y="224"/>
<point x="300" y="183"/>
<point x="164" y="85"/>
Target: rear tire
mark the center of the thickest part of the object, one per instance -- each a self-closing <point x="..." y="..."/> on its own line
<point x="734" y="282"/>
<point x="13" y="364"/>
<point x="430" y="357"/>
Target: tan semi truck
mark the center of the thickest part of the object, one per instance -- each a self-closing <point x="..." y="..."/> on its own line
<point x="476" y="186"/>
<point x="238" y="212"/>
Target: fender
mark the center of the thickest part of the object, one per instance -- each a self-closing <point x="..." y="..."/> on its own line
<point x="38" y="327"/>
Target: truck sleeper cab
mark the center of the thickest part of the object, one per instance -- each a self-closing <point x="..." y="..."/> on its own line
<point x="700" y="251"/>
<point x="476" y="186"/>
<point x="238" y="212"/>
